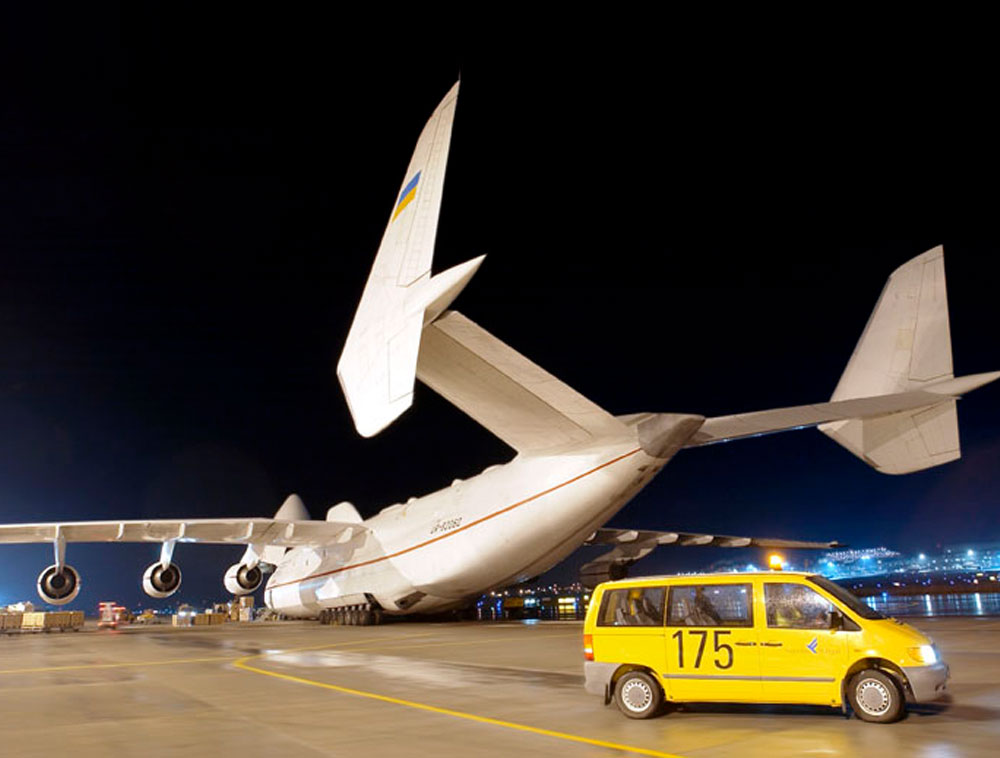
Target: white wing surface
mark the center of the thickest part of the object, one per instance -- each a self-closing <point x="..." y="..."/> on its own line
<point x="256" y="531"/>
<point x="629" y="545"/>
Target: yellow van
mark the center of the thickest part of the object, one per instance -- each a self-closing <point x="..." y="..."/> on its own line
<point x="767" y="637"/>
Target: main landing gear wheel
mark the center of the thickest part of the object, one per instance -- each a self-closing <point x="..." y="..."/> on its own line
<point x="876" y="697"/>
<point x="351" y="616"/>
<point x="638" y="695"/>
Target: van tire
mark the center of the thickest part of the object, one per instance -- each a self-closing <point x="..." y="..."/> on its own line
<point x="638" y="695"/>
<point x="875" y="696"/>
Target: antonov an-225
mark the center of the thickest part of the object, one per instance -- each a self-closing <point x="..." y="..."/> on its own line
<point x="576" y="463"/>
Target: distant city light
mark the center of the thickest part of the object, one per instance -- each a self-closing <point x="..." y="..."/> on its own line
<point x="922" y="557"/>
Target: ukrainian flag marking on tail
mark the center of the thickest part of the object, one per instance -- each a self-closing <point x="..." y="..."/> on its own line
<point x="406" y="195"/>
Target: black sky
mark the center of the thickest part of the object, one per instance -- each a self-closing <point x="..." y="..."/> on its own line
<point x="189" y="207"/>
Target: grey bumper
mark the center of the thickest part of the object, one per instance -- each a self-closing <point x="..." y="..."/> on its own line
<point x="597" y="676"/>
<point x="927" y="682"/>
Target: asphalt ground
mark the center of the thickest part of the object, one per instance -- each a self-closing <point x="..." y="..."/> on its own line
<point x="419" y="689"/>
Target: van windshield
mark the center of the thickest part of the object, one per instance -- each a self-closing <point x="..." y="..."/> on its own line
<point x="864" y="610"/>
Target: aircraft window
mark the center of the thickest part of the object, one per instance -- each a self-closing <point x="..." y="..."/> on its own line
<point x="638" y="606"/>
<point x="711" y="605"/>
<point x="795" y="606"/>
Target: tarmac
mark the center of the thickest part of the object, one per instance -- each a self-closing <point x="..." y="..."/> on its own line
<point x="426" y="689"/>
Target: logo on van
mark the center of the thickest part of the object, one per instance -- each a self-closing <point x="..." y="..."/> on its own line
<point x="811" y="647"/>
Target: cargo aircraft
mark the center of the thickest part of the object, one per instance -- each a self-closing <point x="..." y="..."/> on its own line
<point x="576" y="464"/>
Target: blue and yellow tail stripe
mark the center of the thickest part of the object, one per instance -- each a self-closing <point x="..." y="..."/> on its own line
<point x="406" y="195"/>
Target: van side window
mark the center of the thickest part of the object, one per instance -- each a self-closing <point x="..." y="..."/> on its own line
<point x="795" y="606"/>
<point x="711" y="605"/>
<point x="638" y="606"/>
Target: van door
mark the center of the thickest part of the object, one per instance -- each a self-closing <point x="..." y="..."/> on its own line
<point x="801" y="658"/>
<point x="711" y="643"/>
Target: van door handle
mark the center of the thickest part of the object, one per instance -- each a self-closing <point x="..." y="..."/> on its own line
<point x="770" y="644"/>
<point x="747" y="644"/>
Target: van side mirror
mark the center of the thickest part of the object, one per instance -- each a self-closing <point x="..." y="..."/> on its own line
<point x="836" y="620"/>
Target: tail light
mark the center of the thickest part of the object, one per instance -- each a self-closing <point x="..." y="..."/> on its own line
<point x="588" y="647"/>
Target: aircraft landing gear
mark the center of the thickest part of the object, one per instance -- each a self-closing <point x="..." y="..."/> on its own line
<point x="362" y="615"/>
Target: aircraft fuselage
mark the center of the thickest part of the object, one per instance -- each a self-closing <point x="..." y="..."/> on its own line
<point x="500" y="527"/>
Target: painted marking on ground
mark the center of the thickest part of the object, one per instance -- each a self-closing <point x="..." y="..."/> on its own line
<point x="243" y="664"/>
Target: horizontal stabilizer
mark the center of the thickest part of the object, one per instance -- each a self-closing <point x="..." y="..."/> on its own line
<point x="725" y="428"/>
<point x="902" y="443"/>
<point x="518" y="401"/>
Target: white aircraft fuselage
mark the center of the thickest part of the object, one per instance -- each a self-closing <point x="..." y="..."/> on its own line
<point x="505" y="525"/>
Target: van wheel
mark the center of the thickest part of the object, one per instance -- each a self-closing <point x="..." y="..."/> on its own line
<point x="875" y="696"/>
<point x="638" y="695"/>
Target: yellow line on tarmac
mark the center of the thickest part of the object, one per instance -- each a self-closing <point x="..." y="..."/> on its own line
<point x="242" y="664"/>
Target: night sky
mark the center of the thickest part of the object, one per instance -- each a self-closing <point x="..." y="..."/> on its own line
<point x="189" y="209"/>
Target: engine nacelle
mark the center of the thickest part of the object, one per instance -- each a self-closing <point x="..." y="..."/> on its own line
<point x="58" y="587"/>
<point x="241" y="580"/>
<point x="593" y="574"/>
<point x="161" y="582"/>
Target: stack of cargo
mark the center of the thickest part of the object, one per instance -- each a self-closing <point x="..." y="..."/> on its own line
<point x="10" y="622"/>
<point x="242" y="609"/>
<point x="46" y="621"/>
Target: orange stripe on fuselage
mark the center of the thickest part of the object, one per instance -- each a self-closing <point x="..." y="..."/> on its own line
<point x="461" y="528"/>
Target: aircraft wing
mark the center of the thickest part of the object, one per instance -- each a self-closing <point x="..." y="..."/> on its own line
<point x="629" y="545"/>
<point x="246" y="531"/>
<point x="621" y="537"/>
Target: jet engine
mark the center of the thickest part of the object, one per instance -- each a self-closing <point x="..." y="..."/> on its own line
<point x="596" y="572"/>
<point x="58" y="587"/>
<point x="242" y="580"/>
<point x="161" y="582"/>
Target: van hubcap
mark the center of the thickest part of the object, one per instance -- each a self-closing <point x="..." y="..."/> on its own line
<point x="874" y="697"/>
<point x="636" y="695"/>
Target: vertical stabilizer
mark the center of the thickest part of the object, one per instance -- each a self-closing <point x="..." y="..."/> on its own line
<point x="377" y="368"/>
<point x="907" y="342"/>
<point x="905" y="346"/>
